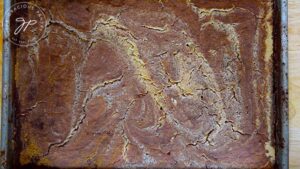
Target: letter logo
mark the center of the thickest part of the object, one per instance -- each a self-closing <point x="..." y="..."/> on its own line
<point x="26" y="24"/>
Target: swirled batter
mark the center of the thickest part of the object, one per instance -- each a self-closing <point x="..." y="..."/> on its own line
<point x="148" y="83"/>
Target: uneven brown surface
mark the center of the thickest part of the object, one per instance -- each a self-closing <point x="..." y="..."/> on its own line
<point x="148" y="84"/>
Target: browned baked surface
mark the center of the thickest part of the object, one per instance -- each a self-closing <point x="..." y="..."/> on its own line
<point x="146" y="83"/>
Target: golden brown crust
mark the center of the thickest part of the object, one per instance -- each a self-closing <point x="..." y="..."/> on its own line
<point x="148" y="84"/>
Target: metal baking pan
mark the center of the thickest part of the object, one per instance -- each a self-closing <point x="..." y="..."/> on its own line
<point x="280" y="90"/>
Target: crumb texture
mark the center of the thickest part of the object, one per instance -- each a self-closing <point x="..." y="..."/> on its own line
<point x="148" y="83"/>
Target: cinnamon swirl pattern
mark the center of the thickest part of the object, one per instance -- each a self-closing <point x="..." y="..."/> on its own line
<point x="148" y="84"/>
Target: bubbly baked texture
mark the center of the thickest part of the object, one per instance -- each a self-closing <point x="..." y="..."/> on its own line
<point x="148" y="83"/>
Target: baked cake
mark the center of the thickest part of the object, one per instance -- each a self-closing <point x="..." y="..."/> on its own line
<point x="147" y="83"/>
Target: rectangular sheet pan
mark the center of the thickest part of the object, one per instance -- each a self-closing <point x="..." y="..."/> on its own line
<point x="280" y="90"/>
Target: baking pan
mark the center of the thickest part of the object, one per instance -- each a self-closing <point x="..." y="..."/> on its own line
<point x="280" y="89"/>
